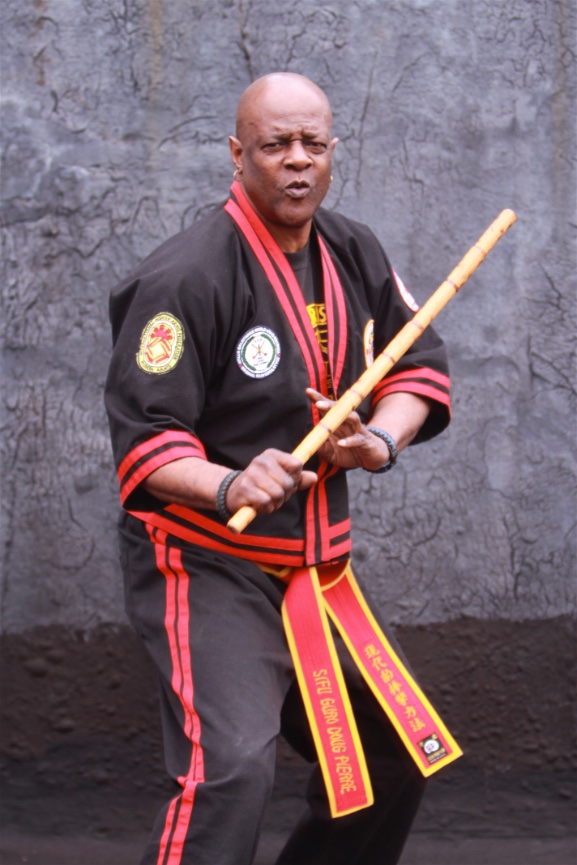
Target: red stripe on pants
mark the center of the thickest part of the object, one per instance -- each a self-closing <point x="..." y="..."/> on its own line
<point x="177" y="625"/>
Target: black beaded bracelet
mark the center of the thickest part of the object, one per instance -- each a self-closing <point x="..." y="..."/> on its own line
<point x="221" y="507"/>
<point x="390" y="443"/>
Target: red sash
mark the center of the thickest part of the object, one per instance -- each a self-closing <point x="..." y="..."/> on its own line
<point x="311" y="594"/>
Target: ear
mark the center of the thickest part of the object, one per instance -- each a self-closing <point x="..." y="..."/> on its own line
<point x="332" y="145"/>
<point x="236" y="150"/>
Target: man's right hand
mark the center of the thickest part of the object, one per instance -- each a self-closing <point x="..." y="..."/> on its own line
<point x="269" y="480"/>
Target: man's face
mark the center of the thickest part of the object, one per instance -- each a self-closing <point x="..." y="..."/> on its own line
<point x="283" y="157"/>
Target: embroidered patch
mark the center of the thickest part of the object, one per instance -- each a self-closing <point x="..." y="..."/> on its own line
<point x="258" y="352"/>
<point x="432" y="748"/>
<point x="161" y="344"/>
<point x="369" y="342"/>
<point x="405" y="293"/>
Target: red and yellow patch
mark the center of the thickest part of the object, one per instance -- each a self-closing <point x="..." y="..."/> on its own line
<point x="161" y="344"/>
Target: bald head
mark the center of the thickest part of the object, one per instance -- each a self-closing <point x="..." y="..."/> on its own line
<point x="282" y="153"/>
<point x="285" y="89"/>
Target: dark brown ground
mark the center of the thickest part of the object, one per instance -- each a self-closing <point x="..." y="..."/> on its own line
<point x="421" y="850"/>
<point x="81" y="764"/>
<point x="466" y="820"/>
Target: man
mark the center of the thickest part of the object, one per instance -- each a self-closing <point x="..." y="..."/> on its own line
<point x="230" y="342"/>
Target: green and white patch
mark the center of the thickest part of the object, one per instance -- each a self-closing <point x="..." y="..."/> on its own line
<point x="258" y="352"/>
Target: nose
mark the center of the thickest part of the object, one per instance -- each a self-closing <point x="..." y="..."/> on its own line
<point x="297" y="156"/>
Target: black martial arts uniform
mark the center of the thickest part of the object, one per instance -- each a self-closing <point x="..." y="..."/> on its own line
<point x="213" y="350"/>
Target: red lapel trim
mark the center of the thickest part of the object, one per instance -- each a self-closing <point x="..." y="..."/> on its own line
<point x="285" y="285"/>
<point x="337" y="324"/>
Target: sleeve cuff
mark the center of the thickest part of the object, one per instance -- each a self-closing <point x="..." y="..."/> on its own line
<point x="155" y="452"/>
<point x="423" y="382"/>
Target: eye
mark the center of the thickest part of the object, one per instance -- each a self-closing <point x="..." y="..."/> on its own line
<point x="273" y="146"/>
<point x="316" y="147"/>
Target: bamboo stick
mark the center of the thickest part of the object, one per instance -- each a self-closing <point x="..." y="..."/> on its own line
<point x="353" y="397"/>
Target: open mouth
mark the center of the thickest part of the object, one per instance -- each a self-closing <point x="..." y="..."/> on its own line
<point x="297" y="188"/>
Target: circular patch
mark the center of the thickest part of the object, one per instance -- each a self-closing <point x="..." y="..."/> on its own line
<point x="431" y="745"/>
<point x="369" y="342"/>
<point x="258" y="352"/>
<point x="405" y="293"/>
<point x="161" y="344"/>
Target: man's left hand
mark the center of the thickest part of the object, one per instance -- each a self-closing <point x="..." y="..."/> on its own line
<point x="351" y="446"/>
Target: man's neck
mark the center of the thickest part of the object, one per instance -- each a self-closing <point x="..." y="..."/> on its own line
<point x="289" y="238"/>
<point x="292" y="241"/>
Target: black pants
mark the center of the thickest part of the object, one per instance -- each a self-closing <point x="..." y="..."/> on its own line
<point x="213" y="627"/>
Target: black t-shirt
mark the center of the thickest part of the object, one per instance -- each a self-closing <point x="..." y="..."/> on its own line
<point x="306" y="266"/>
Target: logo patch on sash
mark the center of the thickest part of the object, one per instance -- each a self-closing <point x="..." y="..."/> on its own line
<point x="432" y="748"/>
<point x="258" y="352"/>
<point x="161" y="344"/>
<point x="369" y="342"/>
<point x="405" y="293"/>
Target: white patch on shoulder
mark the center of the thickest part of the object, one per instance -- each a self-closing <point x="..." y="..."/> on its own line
<point x="369" y="342"/>
<point x="405" y="293"/>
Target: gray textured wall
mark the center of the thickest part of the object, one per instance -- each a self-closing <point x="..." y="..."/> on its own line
<point x="115" y="118"/>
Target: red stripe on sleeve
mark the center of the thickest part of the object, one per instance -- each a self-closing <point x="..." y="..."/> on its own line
<point x="415" y="387"/>
<point x="165" y="438"/>
<point x="341" y="528"/>
<point x="167" y="456"/>
<point x="423" y="381"/>
<point x="422" y="372"/>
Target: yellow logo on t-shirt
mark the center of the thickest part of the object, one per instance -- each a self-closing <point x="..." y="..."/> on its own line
<point x="318" y="316"/>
